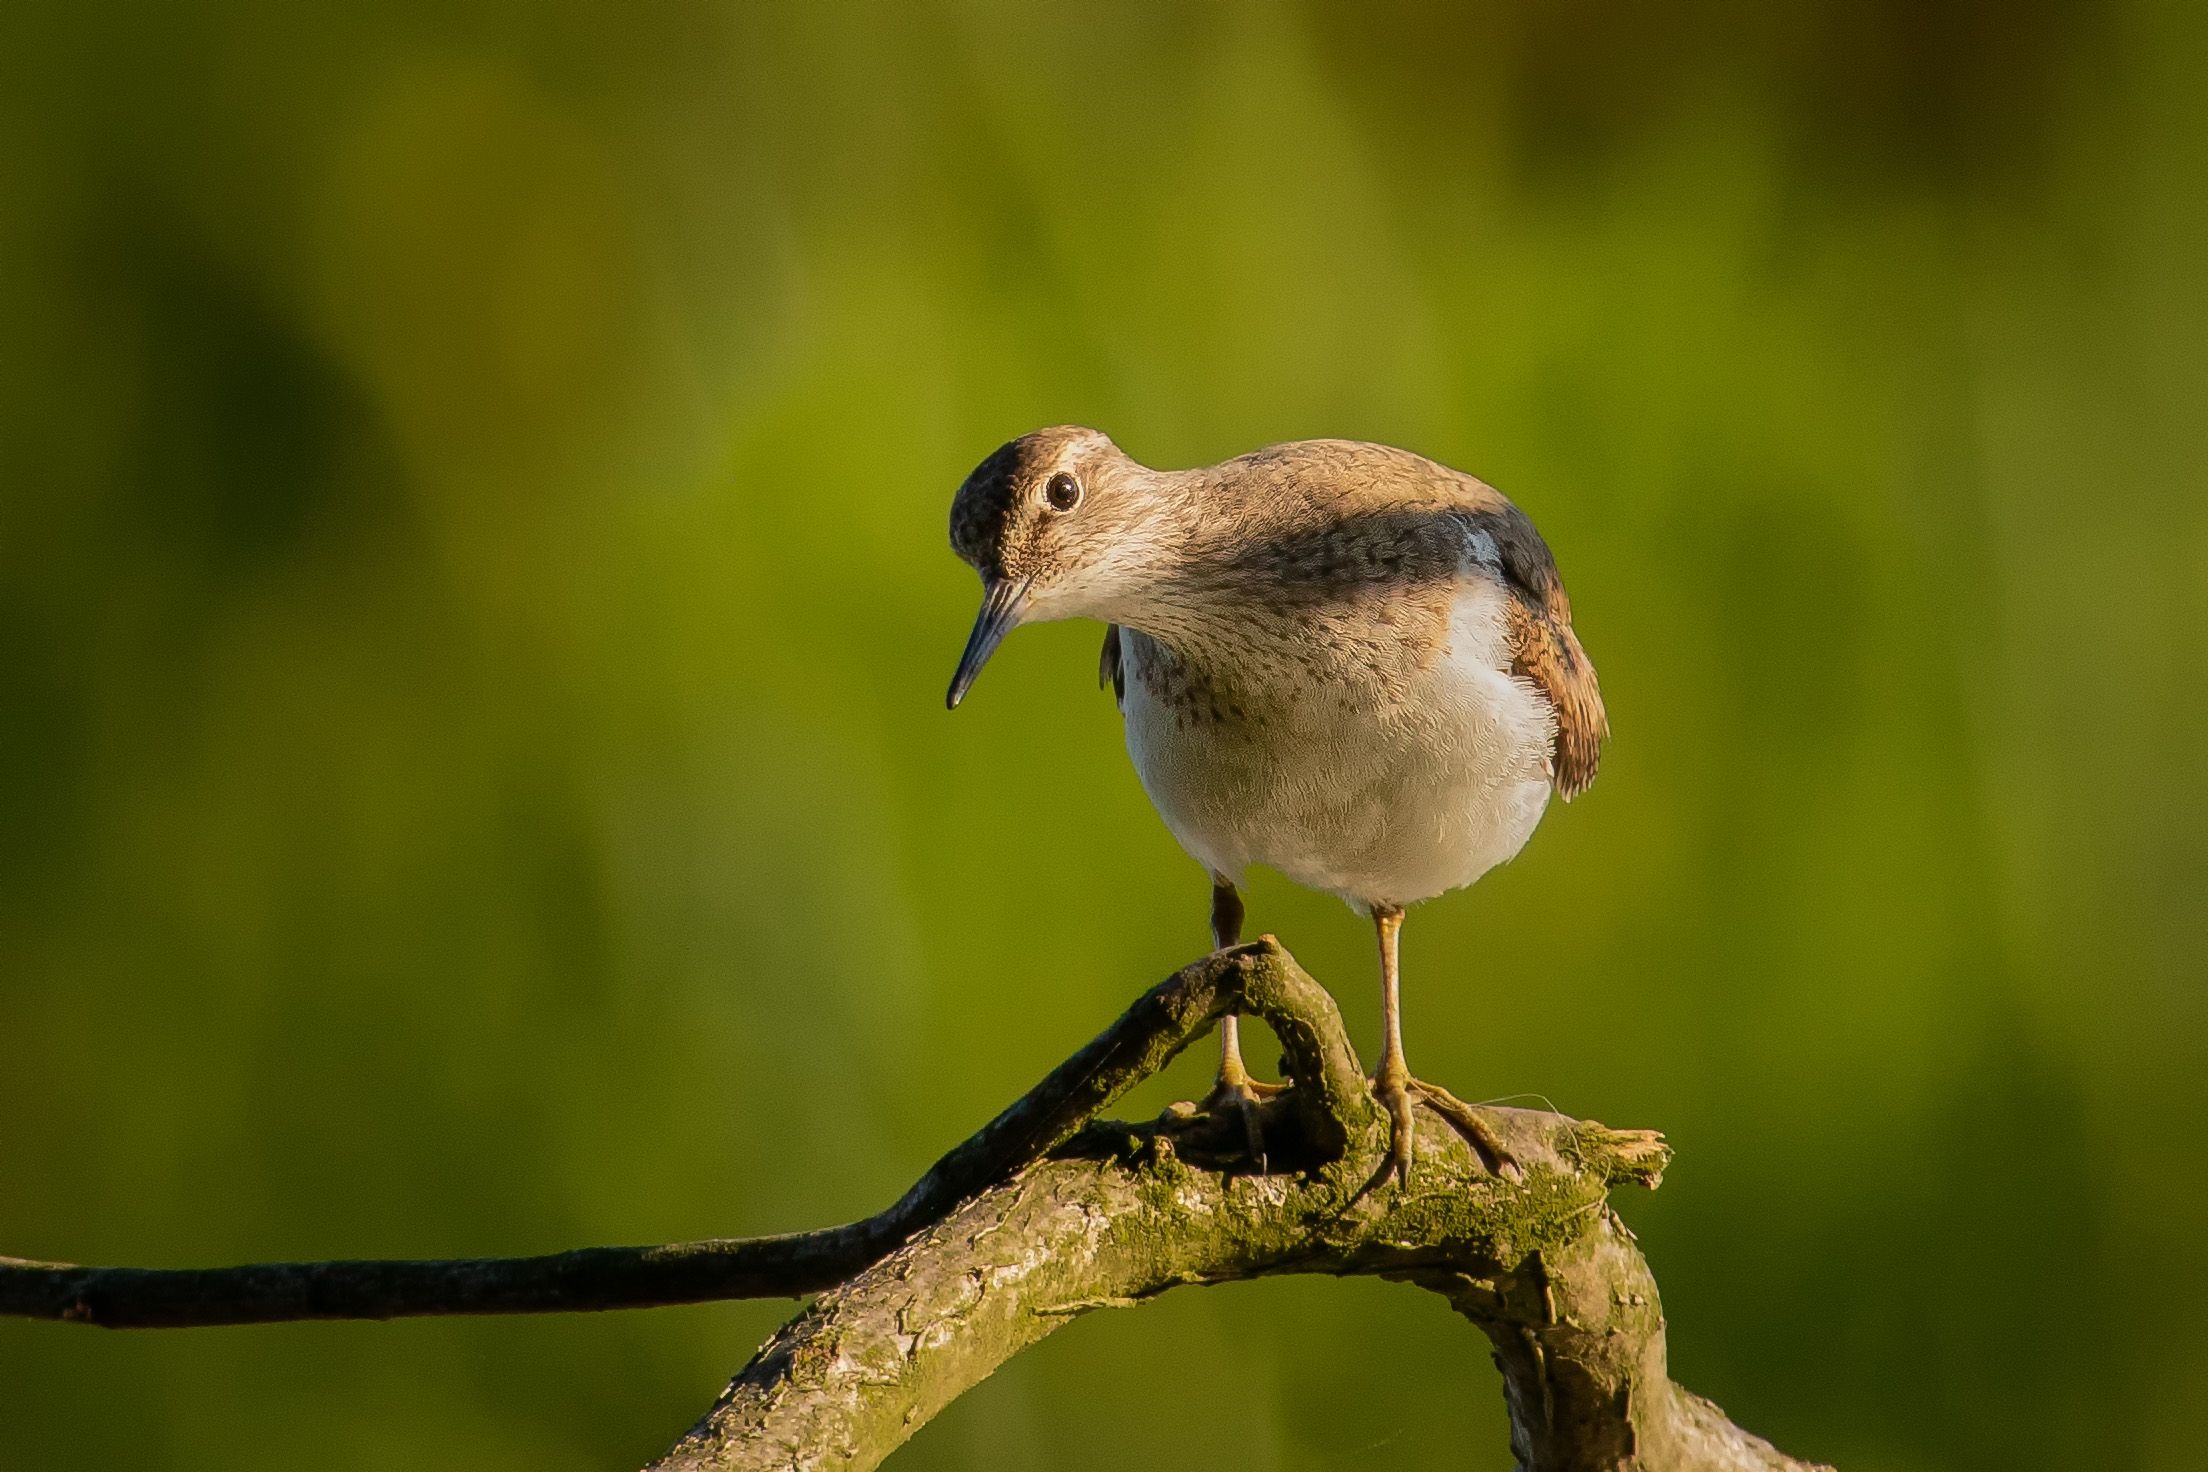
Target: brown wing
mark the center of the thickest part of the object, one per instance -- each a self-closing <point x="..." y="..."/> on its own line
<point x="1109" y="670"/>
<point x="1407" y="492"/>
<point x="1544" y="649"/>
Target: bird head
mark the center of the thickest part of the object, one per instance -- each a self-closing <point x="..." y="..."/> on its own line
<point x="1060" y="524"/>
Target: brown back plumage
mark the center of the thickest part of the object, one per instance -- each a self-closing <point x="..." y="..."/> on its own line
<point x="1351" y="514"/>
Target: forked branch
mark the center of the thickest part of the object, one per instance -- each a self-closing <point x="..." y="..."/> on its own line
<point x="1048" y="1213"/>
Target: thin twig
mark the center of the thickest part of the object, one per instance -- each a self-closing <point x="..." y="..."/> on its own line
<point x="1164" y="1020"/>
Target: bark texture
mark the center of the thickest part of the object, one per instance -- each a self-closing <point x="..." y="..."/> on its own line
<point x="1122" y="1213"/>
<point x="1049" y="1213"/>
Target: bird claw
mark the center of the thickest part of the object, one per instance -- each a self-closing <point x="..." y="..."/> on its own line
<point x="1395" y="1094"/>
<point x="1245" y="1096"/>
<point x="1477" y="1132"/>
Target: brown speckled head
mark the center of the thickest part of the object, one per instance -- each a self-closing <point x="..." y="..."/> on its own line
<point x="1059" y="524"/>
<point x="1029" y="508"/>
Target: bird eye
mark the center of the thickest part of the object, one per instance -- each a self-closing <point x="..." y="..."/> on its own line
<point x="1062" y="491"/>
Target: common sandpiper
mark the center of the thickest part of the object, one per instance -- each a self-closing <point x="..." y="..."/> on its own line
<point x="1340" y="660"/>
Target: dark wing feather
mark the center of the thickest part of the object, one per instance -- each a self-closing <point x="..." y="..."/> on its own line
<point x="1544" y="649"/>
<point x="1109" y="670"/>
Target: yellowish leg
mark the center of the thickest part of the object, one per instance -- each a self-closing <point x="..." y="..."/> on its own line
<point x="1394" y="1086"/>
<point x="1234" y="1085"/>
<point x="1226" y="930"/>
<point x="1232" y="1073"/>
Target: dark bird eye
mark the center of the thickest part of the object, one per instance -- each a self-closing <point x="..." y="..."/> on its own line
<point x="1062" y="491"/>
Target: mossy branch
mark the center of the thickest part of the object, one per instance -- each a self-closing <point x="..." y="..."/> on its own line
<point x="1048" y="1213"/>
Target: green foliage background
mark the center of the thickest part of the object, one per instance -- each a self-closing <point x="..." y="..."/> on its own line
<point x="474" y="612"/>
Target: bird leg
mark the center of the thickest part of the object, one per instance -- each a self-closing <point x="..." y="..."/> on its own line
<point x="1391" y="1085"/>
<point x="1394" y="1087"/>
<point x="1234" y="1086"/>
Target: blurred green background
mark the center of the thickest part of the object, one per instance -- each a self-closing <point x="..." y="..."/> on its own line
<point x="474" y="611"/>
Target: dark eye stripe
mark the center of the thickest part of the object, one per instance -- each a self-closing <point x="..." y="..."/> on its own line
<point x="1062" y="491"/>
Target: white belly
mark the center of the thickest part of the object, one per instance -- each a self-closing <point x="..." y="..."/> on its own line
<point x="1378" y="797"/>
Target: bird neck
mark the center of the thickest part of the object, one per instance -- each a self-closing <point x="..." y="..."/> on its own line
<point x="1181" y="576"/>
<point x="1227" y="630"/>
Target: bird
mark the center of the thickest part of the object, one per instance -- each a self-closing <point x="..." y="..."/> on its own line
<point x="1339" y="660"/>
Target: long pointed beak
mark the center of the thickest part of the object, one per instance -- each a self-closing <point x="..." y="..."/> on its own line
<point x="1002" y="603"/>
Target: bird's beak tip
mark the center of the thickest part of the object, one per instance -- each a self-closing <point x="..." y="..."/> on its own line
<point x="1001" y="607"/>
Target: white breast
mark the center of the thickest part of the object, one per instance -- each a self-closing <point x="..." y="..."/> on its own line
<point x="1379" y="796"/>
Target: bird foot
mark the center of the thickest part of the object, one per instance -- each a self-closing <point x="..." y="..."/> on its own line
<point x="1477" y="1132"/>
<point x="1396" y="1094"/>
<point x="1244" y="1095"/>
